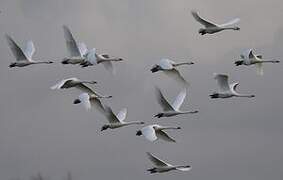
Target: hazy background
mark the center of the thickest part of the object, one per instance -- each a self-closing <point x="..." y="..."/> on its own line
<point x="42" y="131"/>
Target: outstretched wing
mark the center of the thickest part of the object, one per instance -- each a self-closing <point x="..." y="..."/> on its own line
<point x="16" y="50"/>
<point x="83" y="49"/>
<point x="149" y="133"/>
<point x="30" y="49"/>
<point x="234" y="21"/>
<point x="85" y="100"/>
<point x="259" y="68"/>
<point x="222" y="80"/>
<point x="202" y="21"/>
<point x="62" y="82"/>
<point x="179" y="99"/>
<point x="175" y="74"/>
<point x="156" y="161"/>
<point x="166" y="64"/>
<point x="109" y="66"/>
<point x="91" y="56"/>
<point x="84" y="88"/>
<point x="96" y="103"/>
<point x="71" y="44"/>
<point x="164" y="136"/>
<point x="165" y="105"/>
<point x="233" y="87"/>
<point x="111" y="117"/>
<point x="122" y="115"/>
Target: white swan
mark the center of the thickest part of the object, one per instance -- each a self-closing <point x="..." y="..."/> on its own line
<point x="155" y="131"/>
<point x="212" y="28"/>
<point x="174" y="109"/>
<point x="169" y="68"/>
<point x="249" y="58"/>
<point x="227" y="90"/>
<point x="117" y="121"/>
<point x="77" y="51"/>
<point x="91" y="101"/>
<point x="161" y="166"/>
<point x="92" y="58"/>
<point x="72" y="82"/>
<point x="23" y="57"/>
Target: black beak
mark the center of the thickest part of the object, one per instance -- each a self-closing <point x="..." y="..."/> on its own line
<point x="139" y="133"/>
<point x="77" y="101"/>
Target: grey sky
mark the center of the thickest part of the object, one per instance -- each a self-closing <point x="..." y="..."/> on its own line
<point x="41" y="130"/>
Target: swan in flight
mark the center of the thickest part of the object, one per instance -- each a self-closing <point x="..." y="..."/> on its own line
<point x="211" y="28"/>
<point x="227" y="90"/>
<point x="169" y="68"/>
<point x="155" y="131"/>
<point x="72" y="82"/>
<point x="23" y="57"/>
<point x="174" y="109"/>
<point x="92" y="58"/>
<point x="117" y="121"/>
<point x="77" y="51"/>
<point x="161" y="166"/>
<point x="249" y="58"/>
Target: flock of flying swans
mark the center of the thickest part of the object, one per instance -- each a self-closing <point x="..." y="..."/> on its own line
<point x="79" y="54"/>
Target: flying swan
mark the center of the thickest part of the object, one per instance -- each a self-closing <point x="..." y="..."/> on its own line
<point x="227" y="90"/>
<point x="155" y="132"/>
<point x="161" y="166"/>
<point x="174" y="109"/>
<point x="211" y="28"/>
<point x="249" y="58"/>
<point x="23" y="57"/>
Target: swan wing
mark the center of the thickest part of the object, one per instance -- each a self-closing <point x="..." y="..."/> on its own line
<point x="233" y="21"/>
<point x="84" y="88"/>
<point x="91" y="56"/>
<point x="179" y="99"/>
<point x="96" y="103"/>
<point x="30" y="49"/>
<point x="222" y="80"/>
<point x="233" y="88"/>
<point x="62" y="82"/>
<point x="109" y="66"/>
<point x="149" y="133"/>
<point x="16" y="50"/>
<point x="122" y="115"/>
<point x="111" y="117"/>
<point x="83" y="49"/>
<point x="164" y="136"/>
<point x="156" y="161"/>
<point x="71" y="43"/>
<point x="165" y="105"/>
<point x="202" y="21"/>
<point x="176" y="75"/>
<point x="85" y="100"/>
<point x="259" y="68"/>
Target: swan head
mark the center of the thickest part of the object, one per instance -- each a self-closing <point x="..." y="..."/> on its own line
<point x="105" y="127"/>
<point x="236" y="28"/>
<point x="77" y="101"/>
<point x="65" y="61"/>
<point x="155" y="68"/>
<point x="139" y="133"/>
<point x="12" y="65"/>
<point x="238" y="63"/>
<point x="120" y="59"/>
<point x="49" y="62"/>
<point x="202" y="31"/>
<point x="159" y="115"/>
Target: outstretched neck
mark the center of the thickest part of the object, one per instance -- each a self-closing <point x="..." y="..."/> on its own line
<point x="189" y="112"/>
<point x="43" y="62"/>
<point x="183" y="63"/>
<point x="270" y="61"/>
<point x="231" y="28"/>
<point x="135" y="122"/>
<point x="245" y="95"/>
<point x="89" y="82"/>
<point x="169" y="127"/>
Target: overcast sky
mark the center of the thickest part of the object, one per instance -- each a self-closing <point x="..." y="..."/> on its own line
<point x="42" y="131"/>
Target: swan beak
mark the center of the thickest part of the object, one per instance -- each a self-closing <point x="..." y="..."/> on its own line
<point x="77" y="101"/>
<point x="50" y="62"/>
<point x="139" y="133"/>
<point x="178" y="127"/>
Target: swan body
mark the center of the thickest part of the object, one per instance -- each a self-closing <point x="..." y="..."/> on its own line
<point x="249" y="58"/>
<point x="117" y="121"/>
<point x="174" y="109"/>
<point x="92" y="58"/>
<point x="155" y="132"/>
<point x="77" y="51"/>
<point x="23" y="57"/>
<point x="211" y="28"/>
<point x="161" y="166"/>
<point x="227" y="90"/>
<point x="169" y="68"/>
